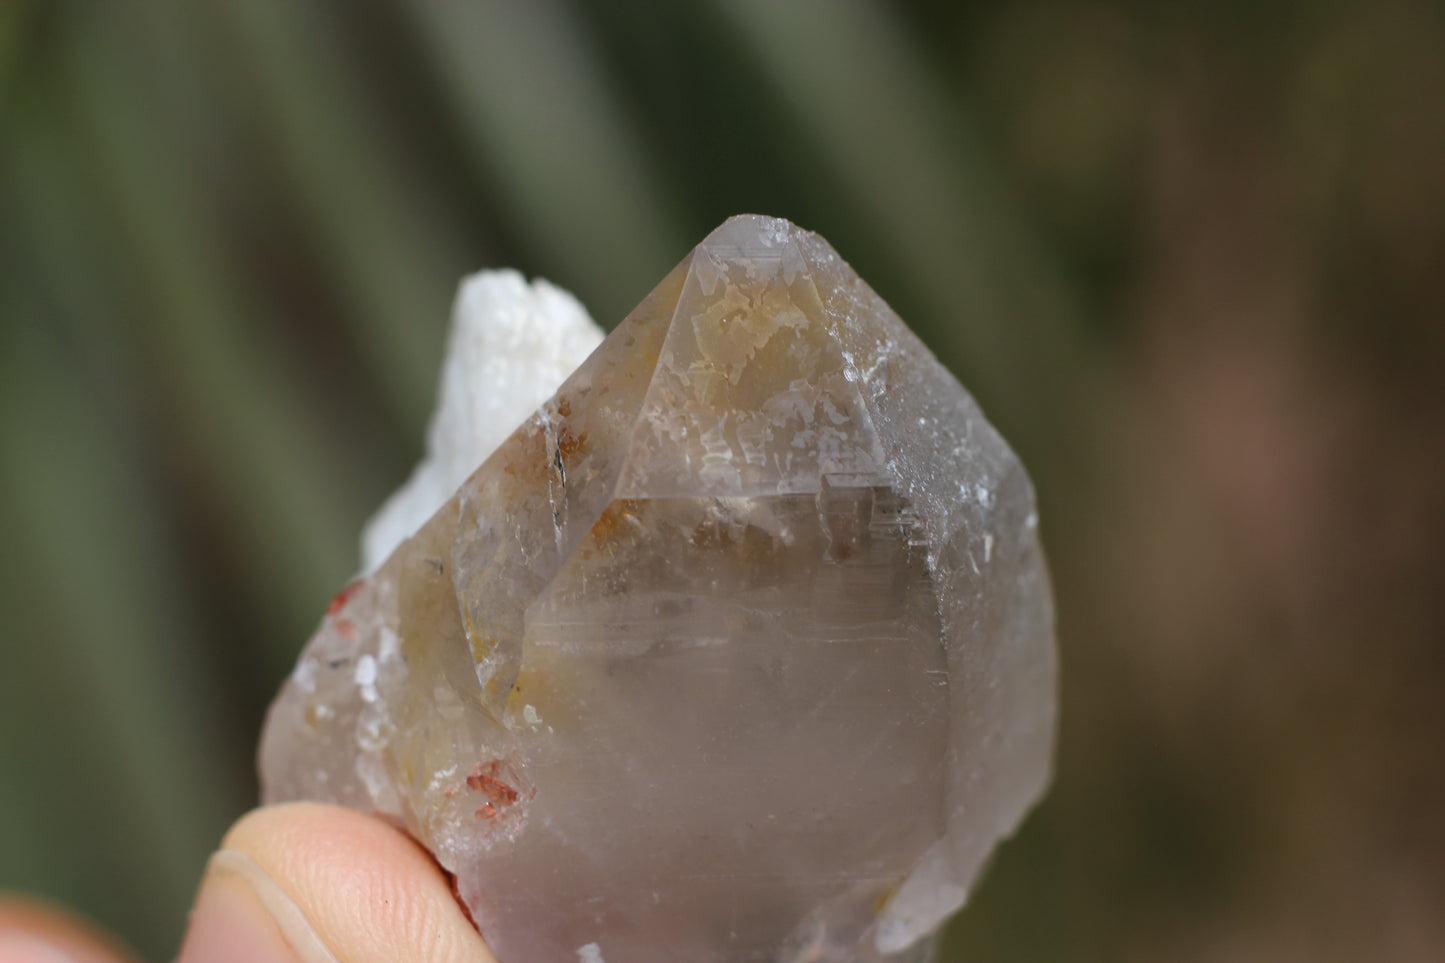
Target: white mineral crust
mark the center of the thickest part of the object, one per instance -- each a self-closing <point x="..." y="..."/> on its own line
<point x="511" y="345"/>
<point x="738" y="649"/>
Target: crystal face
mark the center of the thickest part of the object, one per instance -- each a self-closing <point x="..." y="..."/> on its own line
<point x="739" y="649"/>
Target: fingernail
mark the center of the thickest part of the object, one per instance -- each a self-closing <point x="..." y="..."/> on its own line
<point x="24" y="948"/>
<point x="242" y="916"/>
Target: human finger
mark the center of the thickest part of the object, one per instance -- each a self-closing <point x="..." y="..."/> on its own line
<point x="32" y="931"/>
<point x="306" y="883"/>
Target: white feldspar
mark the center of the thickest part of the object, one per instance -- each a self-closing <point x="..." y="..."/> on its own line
<point x="738" y="649"/>
<point x="511" y="345"/>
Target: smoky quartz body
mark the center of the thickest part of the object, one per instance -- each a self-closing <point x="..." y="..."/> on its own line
<point x="740" y="648"/>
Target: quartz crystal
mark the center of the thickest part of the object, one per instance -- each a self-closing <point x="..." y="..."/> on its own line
<point x="739" y="648"/>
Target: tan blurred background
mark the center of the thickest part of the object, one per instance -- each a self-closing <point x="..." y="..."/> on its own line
<point x="1190" y="258"/>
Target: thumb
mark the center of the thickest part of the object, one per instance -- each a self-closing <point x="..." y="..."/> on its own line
<point x="304" y="883"/>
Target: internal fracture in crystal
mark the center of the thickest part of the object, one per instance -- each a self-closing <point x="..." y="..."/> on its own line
<point x="740" y="648"/>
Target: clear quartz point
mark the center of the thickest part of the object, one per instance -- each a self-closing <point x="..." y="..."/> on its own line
<point x="740" y="648"/>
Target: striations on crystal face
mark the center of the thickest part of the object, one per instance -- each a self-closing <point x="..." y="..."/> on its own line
<point x="740" y="648"/>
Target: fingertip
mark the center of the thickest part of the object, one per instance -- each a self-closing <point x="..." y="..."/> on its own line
<point x="328" y="883"/>
<point x="242" y="916"/>
<point x="32" y="931"/>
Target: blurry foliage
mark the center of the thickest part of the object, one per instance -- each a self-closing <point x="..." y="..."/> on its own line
<point x="1189" y="257"/>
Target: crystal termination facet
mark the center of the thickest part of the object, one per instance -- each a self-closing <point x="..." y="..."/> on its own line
<point x="740" y="648"/>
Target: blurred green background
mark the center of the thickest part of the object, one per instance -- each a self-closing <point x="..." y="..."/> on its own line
<point x="1190" y="258"/>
